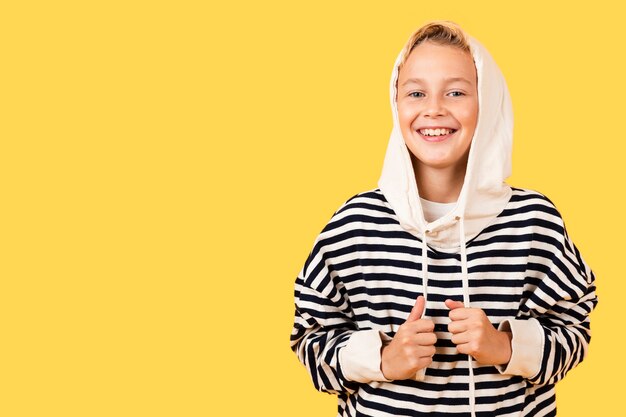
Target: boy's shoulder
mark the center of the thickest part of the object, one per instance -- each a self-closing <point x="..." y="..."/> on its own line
<point x="530" y="196"/>
<point x="364" y="213"/>
<point x="370" y="198"/>
<point x="525" y="200"/>
<point x="365" y="207"/>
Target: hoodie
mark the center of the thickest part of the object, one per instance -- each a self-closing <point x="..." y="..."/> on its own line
<point x="499" y="248"/>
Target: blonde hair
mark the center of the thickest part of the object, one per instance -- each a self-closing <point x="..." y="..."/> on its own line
<point x="441" y="32"/>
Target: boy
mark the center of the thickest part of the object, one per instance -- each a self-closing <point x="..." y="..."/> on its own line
<point x="444" y="291"/>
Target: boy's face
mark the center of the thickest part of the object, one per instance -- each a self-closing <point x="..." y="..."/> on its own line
<point x="437" y="89"/>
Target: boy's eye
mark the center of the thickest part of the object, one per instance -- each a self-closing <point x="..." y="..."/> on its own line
<point x="456" y="93"/>
<point x="416" y="94"/>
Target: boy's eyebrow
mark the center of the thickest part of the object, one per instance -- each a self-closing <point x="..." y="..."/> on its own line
<point x="448" y="80"/>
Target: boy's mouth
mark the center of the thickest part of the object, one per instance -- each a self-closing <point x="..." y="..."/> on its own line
<point x="436" y="132"/>
<point x="436" y="135"/>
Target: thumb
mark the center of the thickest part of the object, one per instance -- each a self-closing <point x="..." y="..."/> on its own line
<point x="452" y="305"/>
<point x="418" y="309"/>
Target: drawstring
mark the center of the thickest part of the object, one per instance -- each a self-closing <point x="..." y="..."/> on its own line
<point x="466" y="297"/>
<point x="466" y="303"/>
<point x="425" y="271"/>
<point x="424" y="255"/>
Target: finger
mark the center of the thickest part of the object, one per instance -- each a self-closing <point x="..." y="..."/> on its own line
<point x="452" y="305"/>
<point x="419" y="326"/>
<point x="420" y="351"/>
<point x="426" y="351"/>
<point x="426" y="339"/>
<point x="464" y="348"/>
<point x="460" y="313"/>
<point x="418" y="309"/>
<point x="460" y="338"/>
<point x="455" y="327"/>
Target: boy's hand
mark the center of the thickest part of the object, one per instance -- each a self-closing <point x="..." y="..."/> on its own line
<point x="412" y="348"/>
<point x="473" y="334"/>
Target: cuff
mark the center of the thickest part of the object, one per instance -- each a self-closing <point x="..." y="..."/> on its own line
<point x="526" y="347"/>
<point x="360" y="358"/>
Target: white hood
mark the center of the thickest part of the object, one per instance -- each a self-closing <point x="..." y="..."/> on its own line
<point x="484" y="193"/>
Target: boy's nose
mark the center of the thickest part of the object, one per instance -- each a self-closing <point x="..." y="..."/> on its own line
<point x="434" y="107"/>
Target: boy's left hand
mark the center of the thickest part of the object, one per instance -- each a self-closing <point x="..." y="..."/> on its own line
<point x="473" y="334"/>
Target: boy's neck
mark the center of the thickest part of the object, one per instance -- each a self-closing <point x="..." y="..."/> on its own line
<point x="440" y="185"/>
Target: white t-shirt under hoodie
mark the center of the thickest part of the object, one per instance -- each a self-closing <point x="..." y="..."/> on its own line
<point x="434" y="210"/>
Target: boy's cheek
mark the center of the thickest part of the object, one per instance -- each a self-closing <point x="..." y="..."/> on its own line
<point x="405" y="117"/>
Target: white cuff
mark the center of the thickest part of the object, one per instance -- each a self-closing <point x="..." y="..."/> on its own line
<point x="527" y="347"/>
<point x="360" y="359"/>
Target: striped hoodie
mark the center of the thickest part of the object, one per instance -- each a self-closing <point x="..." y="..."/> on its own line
<point x="502" y="249"/>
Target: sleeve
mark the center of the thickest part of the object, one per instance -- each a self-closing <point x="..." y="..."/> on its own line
<point x="551" y="333"/>
<point x="337" y="355"/>
<point x="325" y="337"/>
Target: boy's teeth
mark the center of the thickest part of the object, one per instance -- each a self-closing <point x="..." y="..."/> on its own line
<point x="435" y="132"/>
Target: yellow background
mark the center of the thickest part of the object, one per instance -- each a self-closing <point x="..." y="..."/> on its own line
<point x="165" y="167"/>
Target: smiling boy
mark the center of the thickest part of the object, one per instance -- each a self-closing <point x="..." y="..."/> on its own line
<point x="445" y="290"/>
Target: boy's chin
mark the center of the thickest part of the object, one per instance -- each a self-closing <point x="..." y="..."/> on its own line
<point x="437" y="162"/>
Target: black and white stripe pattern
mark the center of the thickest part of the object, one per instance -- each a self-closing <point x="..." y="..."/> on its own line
<point x="364" y="272"/>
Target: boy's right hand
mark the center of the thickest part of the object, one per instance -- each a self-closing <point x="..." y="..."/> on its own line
<point x="412" y="348"/>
